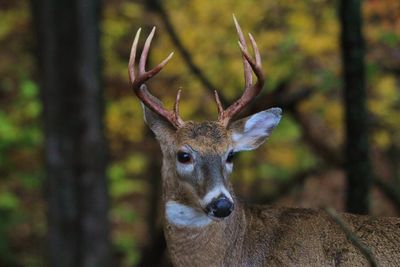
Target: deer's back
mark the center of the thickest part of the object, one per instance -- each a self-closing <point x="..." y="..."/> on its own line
<point x="305" y="237"/>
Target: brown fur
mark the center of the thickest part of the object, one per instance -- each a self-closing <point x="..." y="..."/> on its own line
<point x="205" y="137"/>
<point x="264" y="235"/>
<point x="269" y="236"/>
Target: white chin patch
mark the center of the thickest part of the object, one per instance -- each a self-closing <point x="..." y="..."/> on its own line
<point x="185" y="216"/>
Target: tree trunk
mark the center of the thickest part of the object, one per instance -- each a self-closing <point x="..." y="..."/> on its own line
<point x="357" y="161"/>
<point x="75" y="148"/>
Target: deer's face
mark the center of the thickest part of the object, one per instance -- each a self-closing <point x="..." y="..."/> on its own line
<point x="199" y="156"/>
<point x="203" y="160"/>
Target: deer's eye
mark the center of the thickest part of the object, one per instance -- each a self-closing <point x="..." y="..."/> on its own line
<point x="184" y="157"/>
<point x="229" y="159"/>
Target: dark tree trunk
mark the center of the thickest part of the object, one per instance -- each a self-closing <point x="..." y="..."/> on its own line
<point x="357" y="161"/>
<point x="75" y="147"/>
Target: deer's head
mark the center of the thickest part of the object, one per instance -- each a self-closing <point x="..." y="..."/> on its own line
<point x="199" y="154"/>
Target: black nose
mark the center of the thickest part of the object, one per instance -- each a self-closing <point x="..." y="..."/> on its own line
<point x="220" y="207"/>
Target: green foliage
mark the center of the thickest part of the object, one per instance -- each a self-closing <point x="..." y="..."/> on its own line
<point x="288" y="130"/>
<point x="8" y="201"/>
<point x="126" y="243"/>
<point x="391" y="39"/>
<point x="10" y="216"/>
<point x="21" y="140"/>
<point x="121" y="182"/>
<point x="125" y="182"/>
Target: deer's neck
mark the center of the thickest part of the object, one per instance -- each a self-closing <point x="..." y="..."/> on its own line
<point x="193" y="239"/>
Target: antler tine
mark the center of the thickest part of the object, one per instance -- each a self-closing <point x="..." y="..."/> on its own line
<point x="145" y="52"/>
<point x="257" y="69"/>
<point x="138" y="81"/>
<point x="176" y="108"/>
<point x="251" y="91"/>
<point x="131" y="65"/>
<point x="248" y="78"/>
<point x="255" y="50"/>
<point x="218" y="101"/>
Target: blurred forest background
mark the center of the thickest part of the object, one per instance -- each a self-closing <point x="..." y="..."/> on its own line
<point x="80" y="172"/>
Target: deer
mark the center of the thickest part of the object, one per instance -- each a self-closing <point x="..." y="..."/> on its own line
<point x="205" y="224"/>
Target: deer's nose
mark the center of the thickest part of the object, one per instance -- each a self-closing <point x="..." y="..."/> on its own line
<point x="220" y="208"/>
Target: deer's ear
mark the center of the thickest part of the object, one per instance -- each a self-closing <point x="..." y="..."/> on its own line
<point x="162" y="128"/>
<point x="250" y="132"/>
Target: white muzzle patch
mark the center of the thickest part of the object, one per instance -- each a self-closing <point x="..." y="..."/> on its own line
<point x="215" y="193"/>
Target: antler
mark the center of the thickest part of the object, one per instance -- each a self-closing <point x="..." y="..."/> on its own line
<point x="139" y="86"/>
<point x="251" y="90"/>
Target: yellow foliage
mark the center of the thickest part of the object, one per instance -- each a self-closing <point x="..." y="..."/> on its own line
<point x="382" y="104"/>
<point x="334" y="116"/>
<point x="314" y="44"/>
<point x="314" y="103"/>
<point x="284" y="156"/>
<point x="124" y="121"/>
<point x="247" y="176"/>
<point x="382" y="139"/>
<point x="387" y="87"/>
<point x="311" y="41"/>
<point x="131" y="9"/>
<point x="300" y="22"/>
<point x="271" y="39"/>
<point x="12" y="18"/>
<point x="385" y="95"/>
<point x="135" y="164"/>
